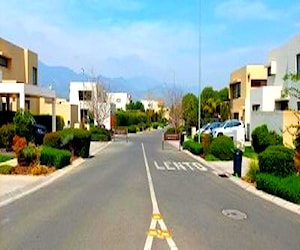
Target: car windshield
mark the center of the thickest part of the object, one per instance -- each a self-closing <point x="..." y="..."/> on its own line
<point x="215" y="125"/>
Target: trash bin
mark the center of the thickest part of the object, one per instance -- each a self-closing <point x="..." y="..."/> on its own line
<point x="181" y="138"/>
<point x="237" y="163"/>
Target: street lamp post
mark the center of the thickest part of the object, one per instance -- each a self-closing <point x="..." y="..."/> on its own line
<point x="200" y="69"/>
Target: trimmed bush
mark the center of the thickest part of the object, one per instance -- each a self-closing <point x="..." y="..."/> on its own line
<point x="206" y="140"/>
<point x="77" y="141"/>
<point x="4" y="158"/>
<point x="53" y="140"/>
<point x="23" y="122"/>
<point x="5" y="169"/>
<point x="277" y="160"/>
<point x="287" y="188"/>
<point x="262" y="138"/>
<point x="194" y="147"/>
<point x="7" y="133"/>
<point x="132" y="129"/>
<point x="100" y="134"/>
<point x="57" y="158"/>
<point x="223" y="148"/>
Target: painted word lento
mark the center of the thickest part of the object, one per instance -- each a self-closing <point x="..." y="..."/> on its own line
<point x="179" y="166"/>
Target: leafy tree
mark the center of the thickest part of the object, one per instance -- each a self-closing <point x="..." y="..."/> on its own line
<point x="190" y="110"/>
<point x="23" y="121"/>
<point x="135" y="106"/>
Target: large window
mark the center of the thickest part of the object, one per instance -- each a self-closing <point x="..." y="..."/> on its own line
<point x="298" y="64"/>
<point x="85" y="95"/>
<point x="3" y="61"/>
<point x="34" y="76"/>
<point x="236" y="90"/>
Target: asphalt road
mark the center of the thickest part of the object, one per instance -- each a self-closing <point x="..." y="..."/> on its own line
<point x="136" y="196"/>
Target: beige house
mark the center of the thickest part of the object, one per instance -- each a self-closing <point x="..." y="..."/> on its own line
<point x="241" y="82"/>
<point x="63" y="108"/>
<point x="19" y="81"/>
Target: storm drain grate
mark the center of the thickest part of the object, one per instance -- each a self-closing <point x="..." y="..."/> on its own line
<point x="234" y="214"/>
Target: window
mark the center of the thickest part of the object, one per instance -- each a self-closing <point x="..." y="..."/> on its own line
<point x="298" y="105"/>
<point x="236" y="90"/>
<point x="3" y="61"/>
<point x="34" y="76"/>
<point x="255" y="107"/>
<point x="298" y="64"/>
<point x="258" y="83"/>
<point x="85" y="95"/>
<point x="118" y="100"/>
<point x="236" y="115"/>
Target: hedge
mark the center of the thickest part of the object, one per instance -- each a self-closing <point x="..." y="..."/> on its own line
<point x="100" y="134"/>
<point x="194" y="147"/>
<point x="5" y="169"/>
<point x="58" y="158"/>
<point x="223" y="148"/>
<point x="262" y="138"/>
<point x="75" y="140"/>
<point x="277" y="160"/>
<point x="7" y="133"/>
<point x="287" y="188"/>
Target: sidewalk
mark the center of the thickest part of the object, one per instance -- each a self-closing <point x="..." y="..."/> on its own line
<point x="13" y="187"/>
<point x="226" y="168"/>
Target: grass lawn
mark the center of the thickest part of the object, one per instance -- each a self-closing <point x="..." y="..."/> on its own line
<point x="4" y="158"/>
<point x="249" y="153"/>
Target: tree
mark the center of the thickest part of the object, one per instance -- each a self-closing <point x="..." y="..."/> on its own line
<point x="23" y="121"/>
<point x="100" y="104"/>
<point x="175" y="98"/>
<point x="190" y="110"/>
<point x="138" y="105"/>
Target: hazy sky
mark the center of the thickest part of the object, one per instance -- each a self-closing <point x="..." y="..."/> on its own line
<point x="156" y="38"/>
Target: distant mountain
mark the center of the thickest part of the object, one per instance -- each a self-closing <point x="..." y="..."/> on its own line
<point x="59" y="78"/>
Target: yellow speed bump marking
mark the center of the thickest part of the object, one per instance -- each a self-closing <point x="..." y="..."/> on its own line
<point x="156" y="216"/>
<point x="161" y="234"/>
<point x="152" y="232"/>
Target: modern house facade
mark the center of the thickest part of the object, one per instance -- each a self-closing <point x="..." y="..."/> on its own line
<point x="272" y="105"/>
<point x="241" y="82"/>
<point x="82" y="93"/>
<point x="19" y="81"/>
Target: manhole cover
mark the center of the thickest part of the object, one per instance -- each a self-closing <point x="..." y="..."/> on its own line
<point x="234" y="214"/>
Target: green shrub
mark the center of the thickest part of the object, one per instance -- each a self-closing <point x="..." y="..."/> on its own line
<point x="100" y="134"/>
<point x="210" y="157"/>
<point x="58" y="158"/>
<point x="194" y="147"/>
<point x="132" y="129"/>
<point x="23" y="122"/>
<point x="171" y="131"/>
<point x="7" y="133"/>
<point x="223" y="148"/>
<point x="155" y="125"/>
<point x="29" y="155"/>
<point x="77" y="141"/>
<point x="52" y="139"/>
<point x="250" y="153"/>
<point x="5" y="169"/>
<point x="287" y="188"/>
<point x="262" y="138"/>
<point x="277" y="160"/>
<point x="4" y="158"/>
<point x="253" y="171"/>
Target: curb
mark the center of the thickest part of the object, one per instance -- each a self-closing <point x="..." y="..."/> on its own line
<point x="38" y="184"/>
<point x="248" y="187"/>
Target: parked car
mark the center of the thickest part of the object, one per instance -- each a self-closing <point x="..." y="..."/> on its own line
<point x="39" y="132"/>
<point x="208" y="128"/>
<point x="232" y="128"/>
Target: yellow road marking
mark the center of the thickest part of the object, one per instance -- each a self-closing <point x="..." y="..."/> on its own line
<point x="156" y="216"/>
<point x="161" y="234"/>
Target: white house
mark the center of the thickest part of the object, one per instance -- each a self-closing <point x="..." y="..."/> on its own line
<point x="270" y="104"/>
<point x="81" y="95"/>
<point x="120" y="99"/>
<point x="152" y="104"/>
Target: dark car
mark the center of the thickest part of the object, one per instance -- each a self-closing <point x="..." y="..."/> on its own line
<point x="39" y="132"/>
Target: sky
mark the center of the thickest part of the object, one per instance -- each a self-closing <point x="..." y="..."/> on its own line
<point x="186" y="42"/>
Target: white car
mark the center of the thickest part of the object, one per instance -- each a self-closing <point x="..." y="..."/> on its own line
<point x="232" y="128"/>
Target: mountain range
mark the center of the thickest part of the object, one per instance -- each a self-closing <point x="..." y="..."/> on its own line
<point x="139" y="87"/>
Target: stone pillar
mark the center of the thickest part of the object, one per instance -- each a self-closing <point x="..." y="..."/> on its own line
<point x="22" y="100"/>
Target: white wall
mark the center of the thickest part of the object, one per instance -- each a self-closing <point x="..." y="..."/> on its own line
<point x="151" y="104"/>
<point x="274" y="120"/>
<point x="119" y="99"/>
<point x="265" y="97"/>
